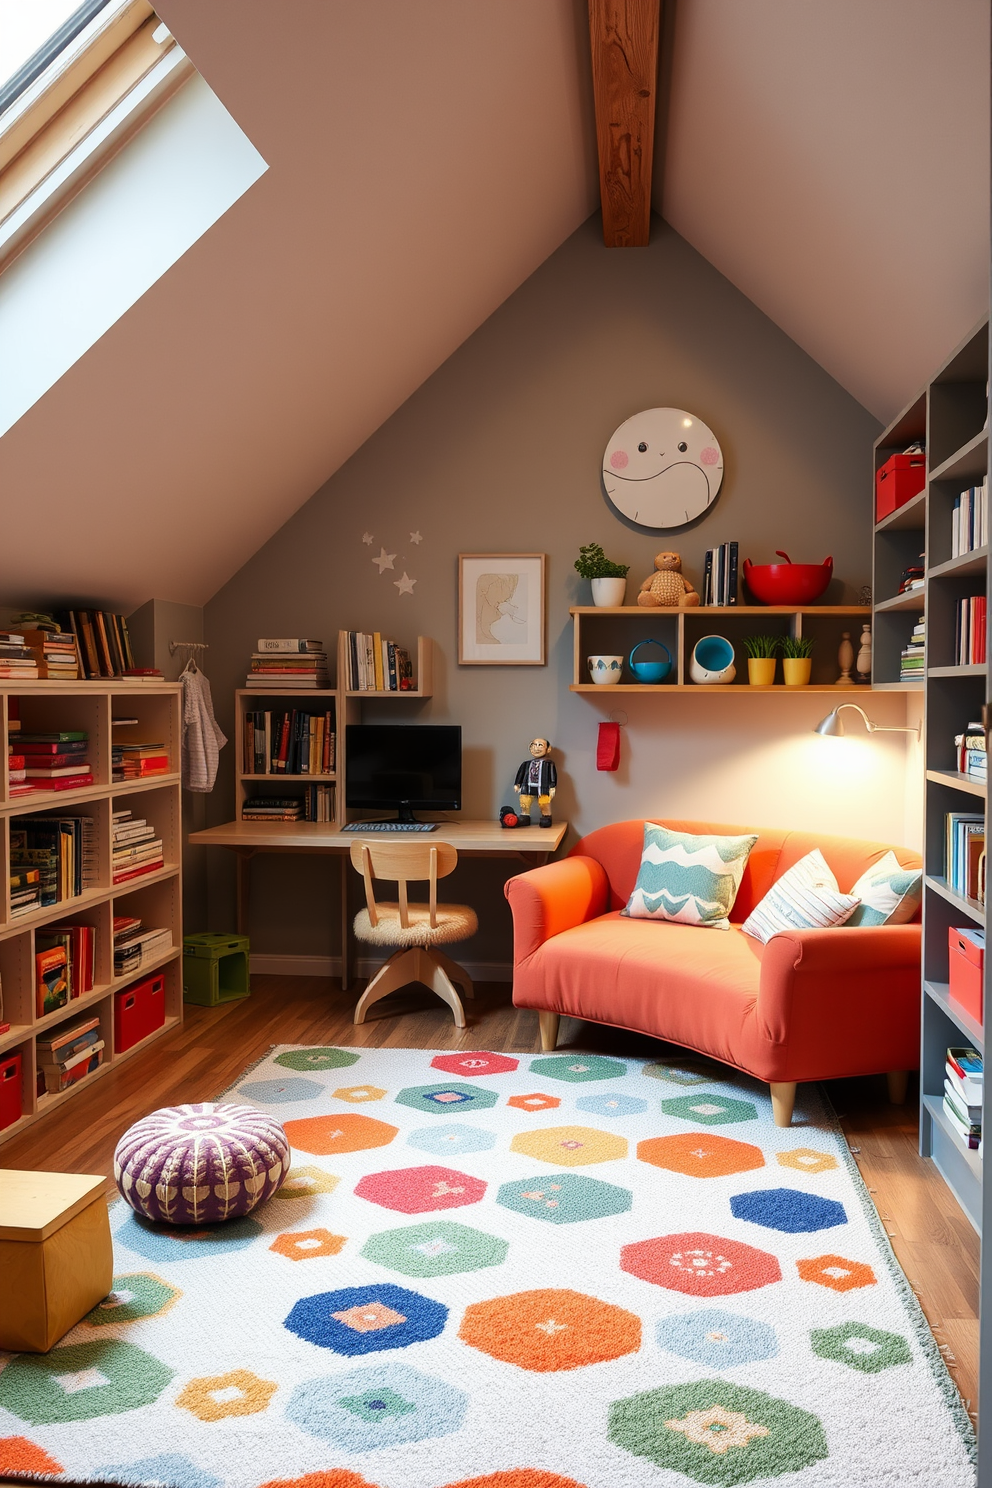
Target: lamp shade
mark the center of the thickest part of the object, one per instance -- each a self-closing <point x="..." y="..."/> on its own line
<point x="831" y="727"/>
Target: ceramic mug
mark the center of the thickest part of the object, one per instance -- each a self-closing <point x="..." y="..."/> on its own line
<point x="605" y="671"/>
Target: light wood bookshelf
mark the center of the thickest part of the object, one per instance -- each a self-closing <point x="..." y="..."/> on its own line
<point x="342" y="702"/>
<point x="155" y="897"/>
<point x="617" y="630"/>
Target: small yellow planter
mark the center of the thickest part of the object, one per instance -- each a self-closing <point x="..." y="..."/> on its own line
<point x="797" y="670"/>
<point x="761" y="671"/>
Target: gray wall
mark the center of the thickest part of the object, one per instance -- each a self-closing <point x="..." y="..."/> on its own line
<point x="500" y="451"/>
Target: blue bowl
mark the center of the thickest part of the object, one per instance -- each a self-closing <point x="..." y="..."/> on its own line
<point x="650" y="671"/>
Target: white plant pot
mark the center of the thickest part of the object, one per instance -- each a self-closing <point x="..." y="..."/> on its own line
<point x="608" y="592"/>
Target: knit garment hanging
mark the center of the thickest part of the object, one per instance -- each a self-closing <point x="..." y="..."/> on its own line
<point x="202" y="737"/>
<point x="608" y="748"/>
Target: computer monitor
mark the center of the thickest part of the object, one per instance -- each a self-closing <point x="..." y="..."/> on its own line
<point x="404" y="767"/>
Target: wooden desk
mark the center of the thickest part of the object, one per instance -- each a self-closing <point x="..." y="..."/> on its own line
<point x="487" y="839"/>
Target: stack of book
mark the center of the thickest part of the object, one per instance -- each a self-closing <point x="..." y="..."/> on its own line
<point x="17" y="660"/>
<point x="376" y="664"/>
<point x="912" y="657"/>
<point x="969" y="631"/>
<point x="135" y="849"/>
<point x="278" y="664"/>
<point x="139" y="760"/>
<point x="103" y="643"/>
<point x="720" y="575"/>
<point x="273" y="808"/>
<point x="55" y="654"/>
<point x="294" y="743"/>
<point x="68" y="1053"/>
<point x="61" y="848"/>
<point x="17" y="774"/>
<point x="25" y="891"/>
<point x="963" y="1079"/>
<point x="318" y="803"/>
<point x="56" y="761"/>
<point x="970" y="519"/>
<point x="79" y="944"/>
<point x="135" y="947"/>
<point x="972" y="756"/>
<point x="964" y="844"/>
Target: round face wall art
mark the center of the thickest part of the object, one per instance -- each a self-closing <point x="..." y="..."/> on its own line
<point x="662" y="468"/>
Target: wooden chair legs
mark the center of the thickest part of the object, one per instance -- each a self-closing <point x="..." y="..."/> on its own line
<point x="898" y="1080"/>
<point x="549" y="1030"/>
<point x="783" y="1094"/>
<point x="456" y="973"/>
<point x="415" y="965"/>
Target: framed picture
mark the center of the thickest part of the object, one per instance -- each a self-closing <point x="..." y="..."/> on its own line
<point x="501" y="620"/>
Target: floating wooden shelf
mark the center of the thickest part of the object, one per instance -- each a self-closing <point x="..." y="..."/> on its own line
<point x="957" y="781"/>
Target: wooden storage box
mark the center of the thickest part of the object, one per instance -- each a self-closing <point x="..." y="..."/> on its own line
<point x="56" y="1256"/>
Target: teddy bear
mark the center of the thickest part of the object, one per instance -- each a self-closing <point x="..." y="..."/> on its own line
<point x="666" y="588"/>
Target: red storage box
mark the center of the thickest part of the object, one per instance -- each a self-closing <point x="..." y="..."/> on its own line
<point x="10" y="1090"/>
<point x="138" y="1011"/>
<point x="966" y="956"/>
<point x="900" y="479"/>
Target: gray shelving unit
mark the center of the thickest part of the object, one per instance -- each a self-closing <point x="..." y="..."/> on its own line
<point x="951" y="415"/>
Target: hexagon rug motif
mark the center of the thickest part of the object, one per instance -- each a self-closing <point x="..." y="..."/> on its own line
<point x="569" y="1269"/>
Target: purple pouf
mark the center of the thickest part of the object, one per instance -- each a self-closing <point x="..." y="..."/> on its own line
<point x="187" y="1165"/>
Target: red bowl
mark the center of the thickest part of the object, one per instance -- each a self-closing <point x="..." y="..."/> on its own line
<point x="788" y="583"/>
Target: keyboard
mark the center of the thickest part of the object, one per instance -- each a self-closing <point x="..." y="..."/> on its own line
<point x="390" y="826"/>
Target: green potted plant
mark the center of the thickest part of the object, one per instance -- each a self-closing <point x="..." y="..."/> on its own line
<point x="609" y="579"/>
<point x="796" y="663"/>
<point x="761" y="651"/>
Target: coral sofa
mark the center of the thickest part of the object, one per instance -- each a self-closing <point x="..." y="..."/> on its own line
<point x="809" y="1005"/>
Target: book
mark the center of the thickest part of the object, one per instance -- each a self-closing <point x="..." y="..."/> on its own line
<point x="68" y="1037"/>
<point x="966" y="1065"/>
<point x="962" y="1130"/>
<point x="70" y="736"/>
<point x="969" y="1115"/>
<point x="290" y="645"/>
<point x="51" y="981"/>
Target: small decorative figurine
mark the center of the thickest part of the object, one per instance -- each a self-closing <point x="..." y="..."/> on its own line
<point x="538" y="777"/>
<point x="863" y="662"/>
<point x="667" y="588"/>
<point x="845" y="659"/>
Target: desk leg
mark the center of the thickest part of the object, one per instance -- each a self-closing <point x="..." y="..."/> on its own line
<point x="244" y="890"/>
<point x="345" y="923"/>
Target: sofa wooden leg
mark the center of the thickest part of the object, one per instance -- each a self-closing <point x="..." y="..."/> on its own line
<point x="783" y="1099"/>
<point x="898" y="1080"/>
<point x="549" y="1030"/>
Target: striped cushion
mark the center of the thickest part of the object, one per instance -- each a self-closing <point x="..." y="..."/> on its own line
<point x="805" y="898"/>
<point x="890" y="894"/>
<point x="692" y="880"/>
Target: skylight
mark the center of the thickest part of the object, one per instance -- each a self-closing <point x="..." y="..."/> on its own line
<point x="32" y="33"/>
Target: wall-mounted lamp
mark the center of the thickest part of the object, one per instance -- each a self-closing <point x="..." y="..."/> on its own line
<point x="832" y="727"/>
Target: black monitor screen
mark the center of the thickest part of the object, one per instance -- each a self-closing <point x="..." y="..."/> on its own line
<point x="392" y="767"/>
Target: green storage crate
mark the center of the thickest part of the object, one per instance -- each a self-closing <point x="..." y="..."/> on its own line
<point x="215" y="968"/>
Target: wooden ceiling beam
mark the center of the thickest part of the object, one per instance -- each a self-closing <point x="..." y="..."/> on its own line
<point x="624" y="36"/>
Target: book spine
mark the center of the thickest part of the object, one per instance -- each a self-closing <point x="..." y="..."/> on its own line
<point x="732" y="575"/>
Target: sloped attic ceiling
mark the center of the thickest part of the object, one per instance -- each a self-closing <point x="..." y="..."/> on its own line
<point x="831" y="160"/>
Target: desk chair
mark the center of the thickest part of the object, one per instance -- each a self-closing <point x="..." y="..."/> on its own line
<point x="418" y="930"/>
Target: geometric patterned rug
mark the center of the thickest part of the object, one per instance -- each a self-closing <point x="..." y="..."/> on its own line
<point x="508" y="1271"/>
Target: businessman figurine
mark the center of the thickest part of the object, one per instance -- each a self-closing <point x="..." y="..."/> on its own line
<point x="538" y="777"/>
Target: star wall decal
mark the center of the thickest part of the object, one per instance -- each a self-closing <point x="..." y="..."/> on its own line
<point x="384" y="560"/>
<point x="416" y="537"/>
<point x="367" y="538"/>
<point x="405" y="584"/>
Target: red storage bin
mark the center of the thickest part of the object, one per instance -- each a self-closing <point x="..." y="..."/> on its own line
<point x="11" y="1109"/>
<point x="138" y="1011"/>
<point x="966" y="963"/>
<point x="900" y="479"/>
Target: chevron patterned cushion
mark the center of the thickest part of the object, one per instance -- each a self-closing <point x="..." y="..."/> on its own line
<point x="194" y="1165"/>
<point x="693" y="880"/>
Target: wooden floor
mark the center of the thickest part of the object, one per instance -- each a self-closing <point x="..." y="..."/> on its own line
<point x="936" y="1245"/>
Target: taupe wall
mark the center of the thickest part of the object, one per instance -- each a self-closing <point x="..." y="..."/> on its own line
<point x="500" y="451"/>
